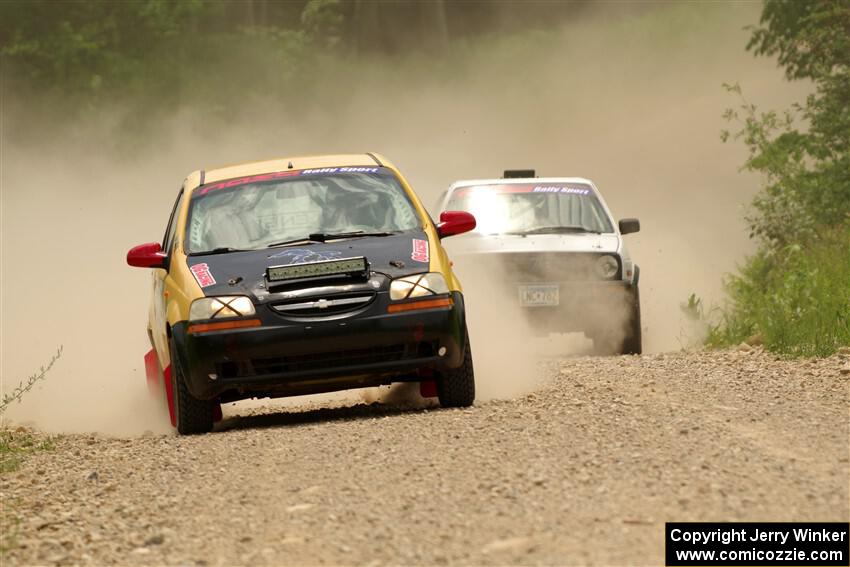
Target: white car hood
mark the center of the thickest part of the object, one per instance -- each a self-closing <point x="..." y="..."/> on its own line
<point x="498" y="243"/>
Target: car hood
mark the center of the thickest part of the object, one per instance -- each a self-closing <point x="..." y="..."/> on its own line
<point x="497" y="243"/>
<point x="239" y="273"/>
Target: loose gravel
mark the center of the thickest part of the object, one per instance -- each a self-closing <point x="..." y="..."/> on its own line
<point x="585" y="470"/>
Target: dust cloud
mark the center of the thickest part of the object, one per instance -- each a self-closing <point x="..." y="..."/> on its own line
<point x="504" y="364"/>
<point x="630" y="99"/>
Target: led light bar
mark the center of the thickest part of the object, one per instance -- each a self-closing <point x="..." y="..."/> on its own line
<point x="346" y="266"/>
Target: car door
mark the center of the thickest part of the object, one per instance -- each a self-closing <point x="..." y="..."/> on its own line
<point x="159" y="320"/>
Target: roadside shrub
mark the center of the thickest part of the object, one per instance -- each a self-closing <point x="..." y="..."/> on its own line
<point x="15" y="444"/>
<point x="796" y="299"/>
<point x="794" y="293"/>
<point x="25" y="386"/>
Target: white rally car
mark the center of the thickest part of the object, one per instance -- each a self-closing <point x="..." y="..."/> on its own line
<point x="551" y="243"/>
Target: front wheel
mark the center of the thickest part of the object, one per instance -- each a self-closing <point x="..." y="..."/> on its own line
<point x="456" y="387"/>
<point x="623" y="336"/>
<point x="190" y="414"/>
<point x="632" y="342"/>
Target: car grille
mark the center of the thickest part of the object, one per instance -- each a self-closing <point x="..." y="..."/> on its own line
<point x="327" y="360"/>
<point x="323" y="306"/>
<point x="549" y="266"/>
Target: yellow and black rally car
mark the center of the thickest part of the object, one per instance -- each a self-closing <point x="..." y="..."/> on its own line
<point x="299" y="276"/>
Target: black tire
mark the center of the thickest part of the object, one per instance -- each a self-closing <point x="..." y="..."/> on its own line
<point x="191" y="414"/>
<point x="633" y="342"/>
<point x="456" y="387"/>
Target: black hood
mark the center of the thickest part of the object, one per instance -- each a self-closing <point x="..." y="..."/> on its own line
<point x="243" y="273"/>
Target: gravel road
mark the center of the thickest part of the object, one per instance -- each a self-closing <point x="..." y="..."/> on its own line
<point x="586" y="470"/>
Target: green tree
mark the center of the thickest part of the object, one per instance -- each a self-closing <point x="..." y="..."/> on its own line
<point x="91" y="45"/>
<point x="804" y="152"/>
<point x="794" y="290"/>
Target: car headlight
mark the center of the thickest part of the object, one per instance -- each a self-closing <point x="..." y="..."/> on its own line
<point x="420" y="285"/>
<point x="221" y="307"/>
<point x="607" y="267"/>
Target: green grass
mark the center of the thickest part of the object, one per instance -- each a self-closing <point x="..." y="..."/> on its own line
<point x="797" y="300"/>
<point x="16" y="445"/>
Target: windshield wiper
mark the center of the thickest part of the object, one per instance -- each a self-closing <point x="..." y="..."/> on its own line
<point x="556" y="230"/>
<point x="327" y="236"/>
<point x="324" y="237"/>
<point x="219" y="250"/>
<point x="302" y="240"/>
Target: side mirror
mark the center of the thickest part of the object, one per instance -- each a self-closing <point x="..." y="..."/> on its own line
<point x="148" y="255"/>
<point x="628" y="226"/>
<point x="455" y="222"/>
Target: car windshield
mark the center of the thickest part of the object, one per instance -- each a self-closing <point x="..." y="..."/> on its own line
<point x="534" y="208"/>
<point x="269" y="209"/>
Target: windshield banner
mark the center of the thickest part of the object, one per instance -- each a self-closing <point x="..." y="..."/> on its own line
<point x="561" y="189"/>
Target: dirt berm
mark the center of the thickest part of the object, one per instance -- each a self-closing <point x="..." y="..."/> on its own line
<point x="586" y="470"/>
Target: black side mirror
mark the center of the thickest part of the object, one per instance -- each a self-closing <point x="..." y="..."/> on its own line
<point x="628" y="226"/>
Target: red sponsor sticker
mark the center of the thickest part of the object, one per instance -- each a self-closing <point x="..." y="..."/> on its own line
<point x="245" y="180"/>
<point x="202" y="275"/>
<point x="420" y="250"/>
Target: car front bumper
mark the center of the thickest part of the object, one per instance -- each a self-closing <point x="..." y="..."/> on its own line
<point x="581" y="306"/>
<point x="283" y="357"/>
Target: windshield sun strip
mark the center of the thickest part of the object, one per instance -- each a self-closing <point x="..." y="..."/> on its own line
<point x="285" y="176"/>
<point x="584" y="204"/>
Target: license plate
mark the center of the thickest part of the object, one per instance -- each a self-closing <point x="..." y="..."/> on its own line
<point x="538" y="295"/>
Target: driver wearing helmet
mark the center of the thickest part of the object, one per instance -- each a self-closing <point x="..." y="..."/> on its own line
<point x="347" y="209"/>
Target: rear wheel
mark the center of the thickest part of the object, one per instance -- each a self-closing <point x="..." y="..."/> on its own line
<point x="191" y="414"/>
<point x="456" y="387"/>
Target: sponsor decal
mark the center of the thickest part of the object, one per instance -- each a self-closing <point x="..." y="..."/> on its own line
<point x="204" y="189"/>
<point x="326" y="170"/>
<point x="302" y="255"/>
<point x="202" y="275"/>
<point x="420" y="250"/>
<point x="578" y="189"/>
<point x="243" y="181"/>
<point x="556" y="189"/>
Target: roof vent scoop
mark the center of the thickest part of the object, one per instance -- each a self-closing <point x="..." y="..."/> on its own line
<point x="518" y="173"/>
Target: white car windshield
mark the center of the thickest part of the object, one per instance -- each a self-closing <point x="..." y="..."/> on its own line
<point x="534" y="208"/>
<point x="254" y="212"/>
